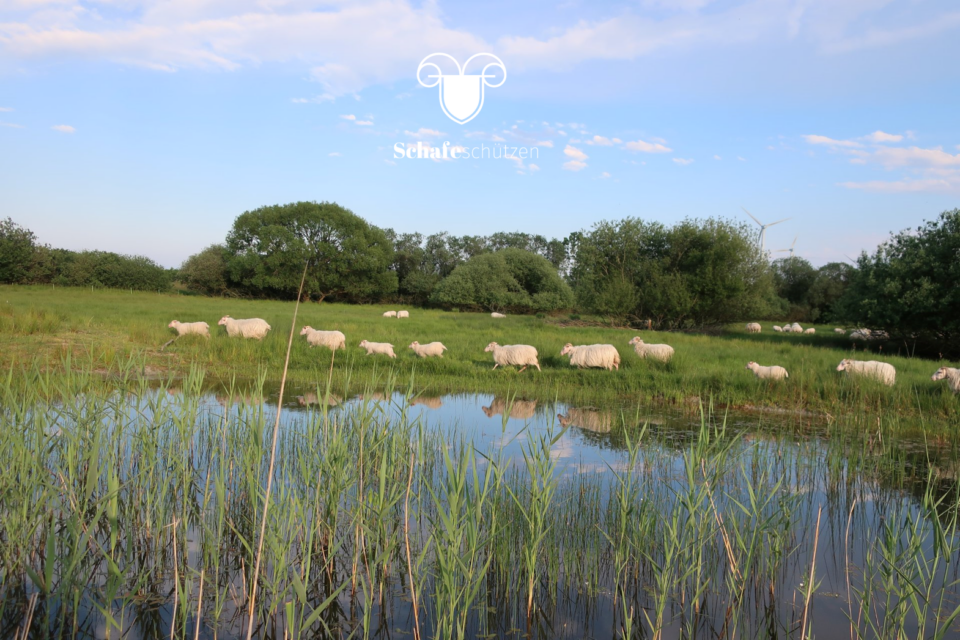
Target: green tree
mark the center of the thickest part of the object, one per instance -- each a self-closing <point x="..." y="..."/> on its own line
<point x="206" y="272"/>
<point x="908" y="287"/>
<point x="347" y="258"/>
<point x="827" y="289"/>
<point x="511" y="279"/>
<point x="17" y="248"/>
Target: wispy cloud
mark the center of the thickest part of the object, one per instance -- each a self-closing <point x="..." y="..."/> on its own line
<point x="63" y="128"/>
<point x="572" y="152"/>
<point x="683" y="161"/>
<point x="647" y="147"/>
<point x="602" y="141"/>
<point x="334" y="154"/>
<point x="424" y="133"/>
<point x="830" y="142"/>
<point x="11" y="125"/>
<point x="6" y="109"/>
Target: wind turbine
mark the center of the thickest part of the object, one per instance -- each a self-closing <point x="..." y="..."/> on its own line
<point x="761" y="237"/>
<point x="790" y="250"/>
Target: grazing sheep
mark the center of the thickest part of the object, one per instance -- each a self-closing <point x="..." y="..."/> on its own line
<point x="839" y="330"/>
<point x="497" y="315"/>
<point x="255" y="328"/>
<point x="601" y="356"/>
<point x="427" y="350"/>
<point x="952" y="377"/>
<point x="190" y="328"/>
<point x="518" y="409"/>
<point x="428" y="402"/>
<point x="587" y="419"/>
<point x="389" y="314"/>
<point x="384" y="348"/>
<point x="521" y="355"/>
<point x="882" y="371"/>
<point x="773" y="372"/>
<point x="778" y="328"/>
<point x="796" y="328"/>
<point x="753" y="327"/>
<point x="333" y="340"/>
<point x="403" y="314"/>
<point x="810" y="331"/>
<point x="661" y="352"/>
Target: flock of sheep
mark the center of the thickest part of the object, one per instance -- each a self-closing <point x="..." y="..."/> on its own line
<point x="595" y="356"/>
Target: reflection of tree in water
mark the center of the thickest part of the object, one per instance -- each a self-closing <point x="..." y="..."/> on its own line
<point x="518" y="409"/>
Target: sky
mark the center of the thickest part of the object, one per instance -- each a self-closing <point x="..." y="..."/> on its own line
<point x="145" y="126"/>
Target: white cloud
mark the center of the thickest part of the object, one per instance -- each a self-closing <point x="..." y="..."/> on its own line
<point x="6" y="109"/>
<point x="574" y="165"/>
<point x="906" y="186"/>
<point x="576" y="154"/>
<point x="11" y="125"/>
<point x="880" y="137"/>
<point x="349" y="116"/>
<point x="604" y="175"/>
<point x="647" y="147"/>
<point x="299" y="100"/>
<point x="683" y="161"/>
<point x="391" y="163"/>
<point x="741" y="159"/>
<point x="424" y="133"/>
<point x="830" y="142"/>
<point x="564" y="133"/>
<point x="365" y="123"/>
<point x="891" y="157"/>
<point x="534" y="167"/>
<point x="63" y="128"/>
<point x="717" y="158"/>
<point x="544" y="143"/>
<point x="600" y="141"/>
<point x="334" y="154"/>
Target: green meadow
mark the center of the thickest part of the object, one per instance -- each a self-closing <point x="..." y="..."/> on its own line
<point x="106" y="327"/>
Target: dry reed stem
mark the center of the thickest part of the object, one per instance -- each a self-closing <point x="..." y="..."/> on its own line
<point x="813" y="564"/>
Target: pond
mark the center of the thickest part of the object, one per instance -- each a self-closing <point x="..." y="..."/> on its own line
<point x="137" y="514"/>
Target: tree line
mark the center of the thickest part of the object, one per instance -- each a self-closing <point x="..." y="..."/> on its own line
<point x="694" y="273"/>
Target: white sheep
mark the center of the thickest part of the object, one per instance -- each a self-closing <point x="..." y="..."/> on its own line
<point x="255" y="328"/>
<point x="389" y="314"/>
<point x="587" y="419"/>
<point x="521" y="355"/>
<point x="661" y="352"/>
<point x="497" y="315"/>
<point x="427" y="401"/>
<point x="190" y="328"/>
<point x="796" y="328"/>
<point x="383" y="348"/>
<point x="952" y="376"/>
<point x="403" y="314"/>
<point x="860" y="334"/>
<point x="773" y="372"/>
<point x="810" y="331"/>
<point x="839" y="330"/>
<point x="427" y="350"/>
<point x="601" y="356"/>
<point x="778" y="328"/>
<point x="518" y="409"/>
<point x="753" y="327"/>
<point x="882" y="371"/>
<point x="333" y="340"/>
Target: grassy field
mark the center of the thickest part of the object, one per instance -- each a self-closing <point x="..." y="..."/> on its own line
<point x="109" y="326"/>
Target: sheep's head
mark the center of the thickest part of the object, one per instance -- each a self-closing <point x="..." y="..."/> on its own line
<point x="940" y="374"/>
<point x="491" y="347"/>
<point x="843" y="365"/>
<point x="307" y="329"/>
<point x="363" y="343"/>
<point x="487" y="411"/>
<point x="564" y="420"/>
<point x="567" y="349"/>
<point x="224" y="319"/>
<point x="751" y="365"/>
<point x="172" y="324"/>
<point x="414" y="345"/>
<point x="635" y="340"/>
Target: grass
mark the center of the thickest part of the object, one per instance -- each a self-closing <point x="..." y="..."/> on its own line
<point x="106" y="327"/>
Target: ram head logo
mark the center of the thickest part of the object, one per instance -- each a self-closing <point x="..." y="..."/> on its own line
<point x="461" y="94"/>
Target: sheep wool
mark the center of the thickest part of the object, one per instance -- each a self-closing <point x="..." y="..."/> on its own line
<point x="777" y="328"/>
<point x="333" y="340"/>
<point x="600" y="356"/>
<point x="753" y="327"/>
<point x="839" y="330"/>
<point x="254" y="328"/>
<point x="661" y="352"/>
<point x="389" y="314"/>
<point x="190" y="328"/>
<point x="810" y="331"/>
<point x="773" y="372"/>
<point x="382" y="348"/>
<point x="882" y="371"/>
<point x="517" y="409"/>
<point x="428" y="350"/>
<point x="403" y="314"/>
<point x="497" y="315"/>
<point x="952" y="376"/>
<point x="521" y="355"/>
<point x="796" y="328"/>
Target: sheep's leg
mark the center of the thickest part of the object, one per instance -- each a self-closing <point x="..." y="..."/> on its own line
<point x="521" y="370"/>
<point x="495" y="366"/>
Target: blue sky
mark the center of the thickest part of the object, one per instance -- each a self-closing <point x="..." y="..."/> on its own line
<point x="146" y="127"/>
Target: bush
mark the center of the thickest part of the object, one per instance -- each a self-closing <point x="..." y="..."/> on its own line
<point x="206" y="272"/>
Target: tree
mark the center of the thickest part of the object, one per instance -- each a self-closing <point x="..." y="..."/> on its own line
<point x="908" y="287"/>
<point x="511" y="279"/>
<point x="206" y="272"/>
<point x="793" y="278"/>
<point x="346" y="258"/>
<point x="17" y="247"/>
<point x="827" y="289"/>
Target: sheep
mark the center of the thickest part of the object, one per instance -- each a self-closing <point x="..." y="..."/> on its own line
<point x="839" y="330"/>
<point x="882" y="371"/>
<point x="389" y="314"/>
<point x="778" y="328"/>
<point x="773" y="372"/>
<point x="810" y="331"/>
<point x="427" y="350"/>
<point x="311" y="398"/>
<point x="952" y="377"/>
<point x="190" y="328"/>
<point x="518" y="409"/>
<point x="601" y="356"/>
<point x="587" y="419"/>
<point x="753" y="327"/>
<point x="403" y="314"/>
<point x="521" y="355"/>
<point x="796" y="328"/>
<point x="661" y="352"/>
<point x="247" y="328"/>
<point x="497" y="315"/>
<point x="333" y="340"/>
<point x="428" y="402"/>
<point x="384" y="348"/>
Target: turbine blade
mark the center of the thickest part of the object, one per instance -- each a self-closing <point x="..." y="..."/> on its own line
<point x="777" y="222"/>
<point x="794" y="242"/>
<point x="751" y="215"/>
